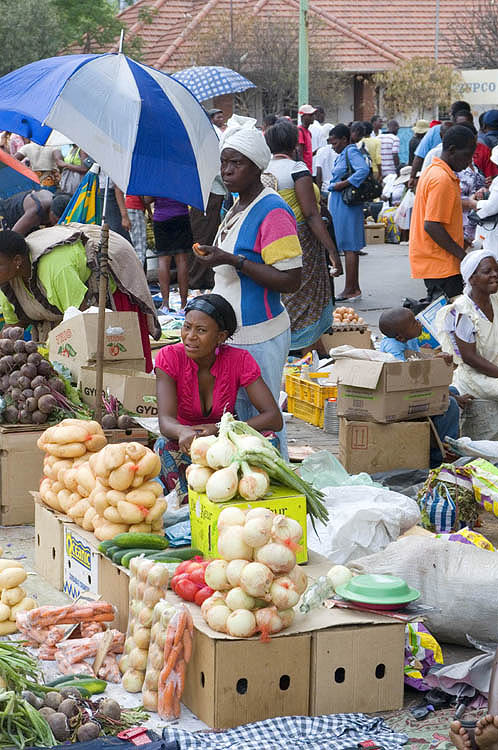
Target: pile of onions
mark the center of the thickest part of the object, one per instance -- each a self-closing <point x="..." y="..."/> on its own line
<point x="217" y="472"/>
<point x="256" y="581"/>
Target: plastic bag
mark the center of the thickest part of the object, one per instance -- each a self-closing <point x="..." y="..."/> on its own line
<point x="458" y="580"/>
<point x="422" y="651"/>
<point x="322" y="469"/>
<point x="362" y="520"/>
<point x="404" y="211"/>
<point x="177" y="653"/>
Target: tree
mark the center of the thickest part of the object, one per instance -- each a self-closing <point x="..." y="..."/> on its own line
<point x="42" y="28"/>
<point x="28" y="34"/>
<point x="266" y="52"/>
<point x="474" y="42"/>
<point x="92" y="25"/>
<point x="417" y="85"/>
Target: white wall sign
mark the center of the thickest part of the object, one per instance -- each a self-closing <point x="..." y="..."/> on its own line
<point x="480" y="87"/>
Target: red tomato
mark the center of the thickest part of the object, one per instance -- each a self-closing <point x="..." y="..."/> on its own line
<point x="197" y="576"/>
<point x="175" y="580"/>
<point x="184" y="566"/>
<point x="202" y="595"/>
<point x="187" y="589"/>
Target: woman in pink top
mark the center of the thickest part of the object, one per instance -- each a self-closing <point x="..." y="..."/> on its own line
<point x="198" y="380"/>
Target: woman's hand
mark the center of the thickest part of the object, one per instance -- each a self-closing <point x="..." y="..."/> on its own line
<point x="214" y="256"/>
<point x="185" y="437"/>
<point x="203" y="430"/>
<point x="341" y="185"/>
<point x="335" y="267"/>
<point x="468" y="204"/>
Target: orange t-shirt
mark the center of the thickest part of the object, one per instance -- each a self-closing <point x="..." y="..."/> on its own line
<point x="438" y="199"/>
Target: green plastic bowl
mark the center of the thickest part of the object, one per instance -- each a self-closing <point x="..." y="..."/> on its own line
<point x="377" y="589"/>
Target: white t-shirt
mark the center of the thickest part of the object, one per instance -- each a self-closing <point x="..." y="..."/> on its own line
<point x="436" y="151"/>
<point x="325" y="159"/>
<point x="316" y="131"/>
<point x="41" y="158"/>
<point x="389" y="145"/>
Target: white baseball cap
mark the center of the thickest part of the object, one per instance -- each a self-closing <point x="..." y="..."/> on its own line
<point x="307" y="109"/>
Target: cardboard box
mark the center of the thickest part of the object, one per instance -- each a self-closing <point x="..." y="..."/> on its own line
<point x="73" y="342"/>
<point x="49" y="545"/>
<point x="21" y="466"/>
<point x="358" y="339"/>
<point x="428" y="319"/>
<point x="85" y="569"/>
<point x="375" y="233"/>
<point x="81" y="562"/>
<point x="357" y="668"/>
<point x="371" y="447"/>
<point x="333" y="656"/>
<point x="136" y="391"/>
<point x="204" y="516"/>
<point x="384" y="392"/>
<point x="235" y="682"/>
<point x="114" y="583"/>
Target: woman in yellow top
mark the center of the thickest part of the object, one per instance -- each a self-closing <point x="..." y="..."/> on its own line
<point x="72" y="167"/>
<point x="310" y="308"/>
<point x="54" y="269"/>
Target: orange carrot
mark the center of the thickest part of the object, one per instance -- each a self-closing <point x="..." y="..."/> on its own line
<point x="181" y="669"/>
<point x="187" y="645"/>
<point x="180" y="628"/>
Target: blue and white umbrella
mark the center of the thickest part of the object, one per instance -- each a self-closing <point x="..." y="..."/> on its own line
<point x="145" y="129"/>
<point x="208" y="81"/>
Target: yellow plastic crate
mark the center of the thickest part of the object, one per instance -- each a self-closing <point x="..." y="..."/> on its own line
<point x="305" y="411"/>
<point x="311" y="393"/>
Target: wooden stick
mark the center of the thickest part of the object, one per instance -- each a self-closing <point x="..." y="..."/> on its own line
<point x="99" y="375"/>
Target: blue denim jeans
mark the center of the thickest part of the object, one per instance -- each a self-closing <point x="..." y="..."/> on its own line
<point x="447" y="424"/>
<point x="271" y="356"/>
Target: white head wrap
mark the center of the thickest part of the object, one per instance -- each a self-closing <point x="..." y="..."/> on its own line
<point x="469" y="265"/>
<point x="242" y="136"/>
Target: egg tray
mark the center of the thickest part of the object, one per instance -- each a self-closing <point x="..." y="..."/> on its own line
<point x="362" y="327"/>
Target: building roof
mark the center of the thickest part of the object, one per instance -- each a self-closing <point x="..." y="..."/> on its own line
<point x="358" y="36"/>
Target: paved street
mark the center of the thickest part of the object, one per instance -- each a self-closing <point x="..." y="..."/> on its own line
<point x="385" y="281"/>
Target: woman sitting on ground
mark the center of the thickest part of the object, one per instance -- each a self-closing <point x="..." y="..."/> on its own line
<point x="468" y="328"/>
<point x="198" y="381"/>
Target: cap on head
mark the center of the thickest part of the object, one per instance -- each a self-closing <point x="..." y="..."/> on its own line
<point x="307" y="109"/>
<point x="421" y="127"/>
<point x="490" y="119"/>
<point x="213" y="112"/>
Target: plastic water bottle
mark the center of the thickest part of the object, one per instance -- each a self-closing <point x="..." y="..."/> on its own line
<point x="316" y="594"/>
<point x="330" y="418"/>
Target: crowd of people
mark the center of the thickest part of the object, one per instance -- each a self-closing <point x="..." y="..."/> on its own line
<point x="285" y="213"/>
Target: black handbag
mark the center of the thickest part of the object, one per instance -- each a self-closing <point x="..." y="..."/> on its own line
<point x="367" y="191"/>
<point x="488" y="222"/>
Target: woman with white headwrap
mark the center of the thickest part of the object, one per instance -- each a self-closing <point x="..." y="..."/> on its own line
<point x="256" y="256"/>
<point x="468" y="328"/>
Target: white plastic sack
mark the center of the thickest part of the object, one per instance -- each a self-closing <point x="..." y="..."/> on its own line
<point x="403" y="213"/>
<point x="362" y="520"/>
<point x="345" y="351"/>
<point x="460" y="581"/>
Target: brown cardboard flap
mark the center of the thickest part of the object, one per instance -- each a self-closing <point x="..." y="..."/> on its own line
<point x="359" y="373"/>
<point x="420" y="374"/>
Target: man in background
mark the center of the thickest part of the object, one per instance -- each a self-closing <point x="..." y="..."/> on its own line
<point x="419" y="130"/>
<point x="389" y="149"/>
<point x="436" y="231"/>
<point x="372" y="145"/>
<point x="217" y="120"/>
<point x="377" y="125"/>
<point x="304" y="145"/>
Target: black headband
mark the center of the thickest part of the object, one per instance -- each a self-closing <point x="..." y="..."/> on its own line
<point x="206" y="307"/>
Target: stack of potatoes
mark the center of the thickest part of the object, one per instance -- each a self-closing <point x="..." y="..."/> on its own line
<point x="124" y="496"/>
<point x="13" y="597"/>
<point x="108" y="489"/>
<point x="68" y="446"/>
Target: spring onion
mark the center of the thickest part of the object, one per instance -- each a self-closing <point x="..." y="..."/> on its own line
<point x="18" y="670"/>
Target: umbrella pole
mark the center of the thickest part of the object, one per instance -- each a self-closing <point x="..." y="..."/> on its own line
<point x="103" y="270"/>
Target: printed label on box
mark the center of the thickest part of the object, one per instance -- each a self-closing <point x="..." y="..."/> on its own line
<point x="359" y="438"/>
<point x="81" y="566"/>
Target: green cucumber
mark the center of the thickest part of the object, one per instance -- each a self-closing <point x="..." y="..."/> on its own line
<point x="69" y="678"/>
<point x="104" y="546"/>
<point x="121" y="553"/>
<point x="133" y="540"/>
<point x="88" y="687"/>
<point x="179" y="553"/>
<point x="111" y="550"/>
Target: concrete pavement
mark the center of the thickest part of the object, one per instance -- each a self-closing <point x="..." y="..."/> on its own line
<point x="384" y="280"/>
